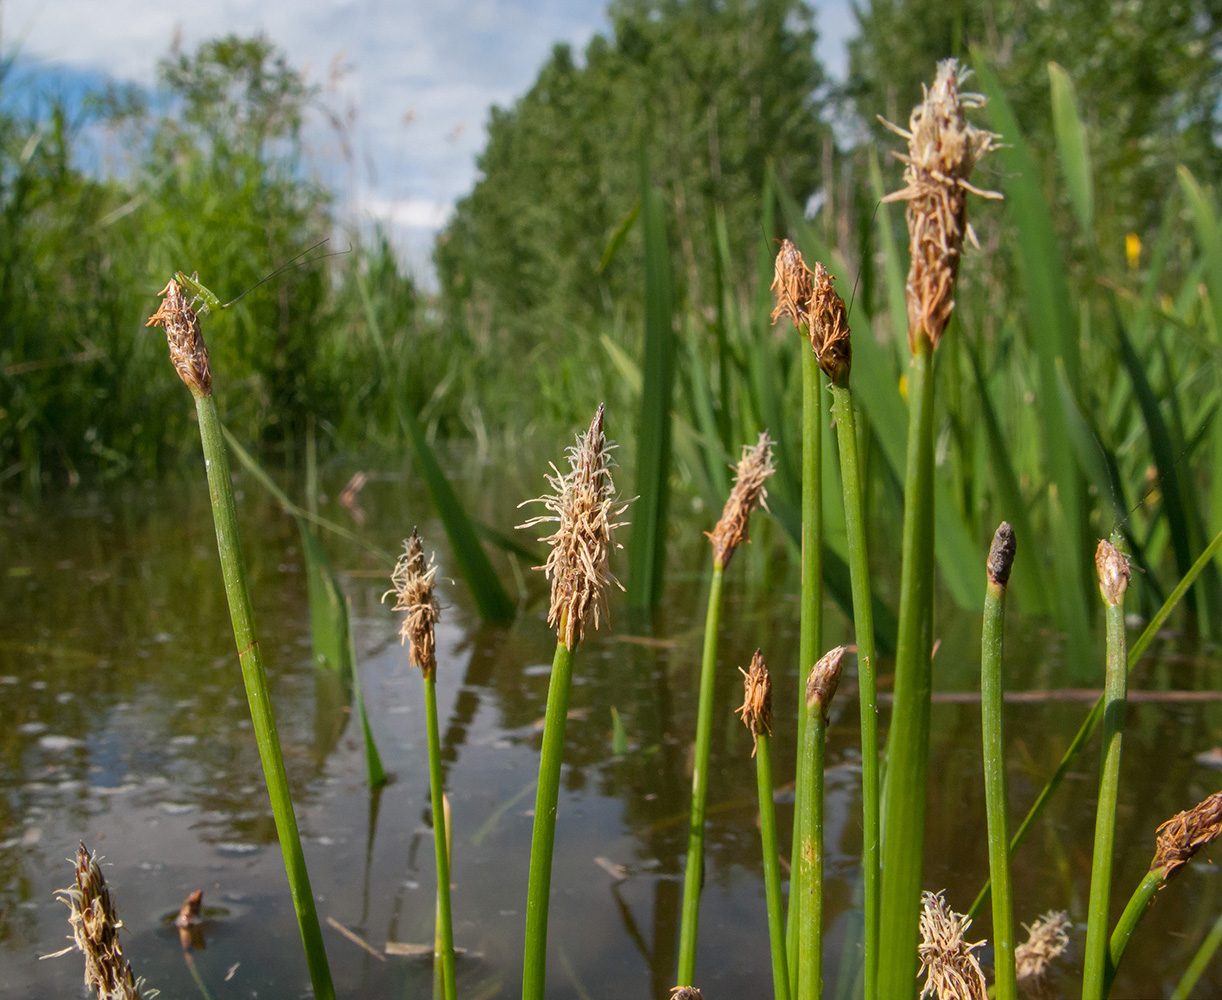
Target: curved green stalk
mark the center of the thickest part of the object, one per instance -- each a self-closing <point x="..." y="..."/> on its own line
<point x="908" y="743"/>
<point x="444" y="938"/>
<point x="772" y="867"/>
<point x="863" y="628"/>
<point x="1200" y="962"/>
<point x="694" y="875"/>
<point x="1134" y="910"/>
<point x="808" y="876"/>
<point x="991" y="695"/>
<point x="233" y="569"/>
<point x="543" y="837"/>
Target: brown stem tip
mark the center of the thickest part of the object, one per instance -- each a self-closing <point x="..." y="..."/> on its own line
<point x="187" y="350"/>
<point x="1186" y="833"/>
<point x="943" y="147"/>
<point x="412" y="580"/>
<point x="584" y="507"/>
<point x="749" y="492"/>
<point x="823" y="680"/>
<point x="952" y="970"/>
<point x="1001" y="555"/>
<point x="756" y="710"/>
<point x="1114" y="572"/>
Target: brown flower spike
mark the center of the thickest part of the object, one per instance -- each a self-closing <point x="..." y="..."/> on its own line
<point x="823" y="680"/>
<point x="413" y="589"/>
<point x="756" y="710"/>
<point x="1114" y="572"/>
<point x="942" y="150"/>
<point x="584" y="507"/>
<point x="187" y="350"/>
<point x="1047" y="940"/>
<point x="1186" y="833"/>
<point x="749" y="492"/>
<point x="791" y="284"/>
<point x="952" y="970"/>
<point x="829" y="328"/>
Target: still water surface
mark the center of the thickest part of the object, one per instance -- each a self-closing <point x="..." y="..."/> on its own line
<point x="123" y="723"/>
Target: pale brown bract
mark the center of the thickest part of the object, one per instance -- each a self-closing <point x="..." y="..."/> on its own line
<point x="749" y="492"/>
<point x="756" y="710"/>
<point x="949" y="963"/>
<point x="791" y="284"/>
<point x="182" y="332"/>
<point x="413" y="578"/>
<point x="1114" y="572"/>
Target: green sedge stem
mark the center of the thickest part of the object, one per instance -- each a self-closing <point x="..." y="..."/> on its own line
<point x="808" y="886"/>
<point x="772" y="867"/>
<point x="908" y="742"/>
<point x="1091" y="722"/>
<point x="991" y="688"/>
<point x="863" y="628"/>
<point x="543" y="837"/>
<point x="233" y="569"/>
<point x="444" y="937"/>
<point x="810" y="639"/>
<point x="1094" y="974"/>
<point x="694" y="874"/>
<point x="1134" y="910"/>
<point x="1200" y="962"/>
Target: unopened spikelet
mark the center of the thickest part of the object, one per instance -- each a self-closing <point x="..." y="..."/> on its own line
<point x="749" y="492"/>
<point x="943" y="147"/>
<point x="1184" y="834"/>
<point x="187" y="350"/>
<point x="584" y="507"/>
<point x="413" y="579"/>
<point x="951" y="968"/>
<point x="823" y="679"/>
<point x="756" y="710"/>
<point x="95" y="931"/>
<point x="1047" y="940"/>
<point x="1114" y="572"/>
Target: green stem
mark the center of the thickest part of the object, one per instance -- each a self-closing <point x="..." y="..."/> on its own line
<point x="445" y="929"/>
<point x="1094" y="970"/>
<point x="772" y="867"/>
<point x="908" y="743"/>
<point x="543" y="838"/>
<point x="693" y="878"/>
<point x="810" y="638"/>
<point x="1200" y="962"/>
<point x="863" y="627"/>
<point x="808" y="886"/>
<point x="1134" y="910"/>
<point x="1005" y="973"/>
<point x="233" y="569"/>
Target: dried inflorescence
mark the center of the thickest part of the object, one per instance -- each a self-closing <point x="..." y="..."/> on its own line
<point x="182" y="333"/>
<point x="1114" y="572"/>
<point x="685" y="993"/>
<point x="756" y="710"/>
<point x="1047" y="940"/>
<point x="413" y="579"/>
<point x="951" y="969"/>
<point x="95" y="931"/>
<point x="1001" y="555"/>
<point x="829" y="328"/>
<point x="943" y="147"/>
<point x="584" y="506"/>
<point x="749" y="492"/>
<point x="791" y="284"/>
<point x="1186" y="833"/>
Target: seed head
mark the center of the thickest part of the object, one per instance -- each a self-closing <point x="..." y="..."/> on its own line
<point x="413" y="589"/>
<point x="1114" y="572"/>
<point x="1186" y="833"/>
<point x="791" y="284"/>
<point x="749" y="492"/>
<point x="952" y="971"/>
<point x="756" y="709"/>
<point x="187" y="350"/>
<point x="1047" y="940"/>
<point x="584" y="507"/>
<point x="823" y="680"/>
<point x="829" y="328"/>
<point x="942" y="150"/>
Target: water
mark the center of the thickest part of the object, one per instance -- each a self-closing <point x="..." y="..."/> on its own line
<point x="123" y="723"/>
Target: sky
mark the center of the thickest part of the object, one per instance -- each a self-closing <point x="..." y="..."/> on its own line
<point x="409" y="83"/>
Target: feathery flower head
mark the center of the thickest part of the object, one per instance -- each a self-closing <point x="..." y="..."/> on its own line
<point x="1186" y="833"/>
<point x="756" y="710"/>
<point x="951" y="969"/>
<point x="583" y="507"/>
<point x="187" y="350"/>
<point x="943" y="147"/>
<point x="749" y="492"/>
<point x="791" y="284"/>
<point x="413" y="578"/>
<point x="1047" y="940"/>
<point x="1114" y="572"/>
<point x="829" y="328"/>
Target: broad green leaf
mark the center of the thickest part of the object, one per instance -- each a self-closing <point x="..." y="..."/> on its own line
<point x="1073" y="150"/>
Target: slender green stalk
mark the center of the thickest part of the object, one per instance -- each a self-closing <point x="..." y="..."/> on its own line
<point x="908" y="744"/>
<point x="543" y="837"/>
<point x="1200" y="962"/>
<point x="1001" y="557"/>
<point x="694" y="874"/>
<point x="1122" y="933"/>
<point x="444" y="938"/>
<point x="1113" y="580"/>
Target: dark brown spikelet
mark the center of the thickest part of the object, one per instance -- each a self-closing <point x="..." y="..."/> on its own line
<point x="749" y="492"/>
<point x="829" y="328"/>
<point x="756" y="710"/>
<point x="685" y="993"/>
<point x="951" y="969"/>
<point x="182" y="333"/>
<point x="95" y="932"/>
<point x="943" y="147"/>
<point x="413" y="579"/>
<point x="584" y="507"/>
<point x="791" y="284"/>
<point x="1186" y="833"/>
<point x="1114" y="572"/>
<point x="823" y="680"/>
<point x="1001" y="555"/>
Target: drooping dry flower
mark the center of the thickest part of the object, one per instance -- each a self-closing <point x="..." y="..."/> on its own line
<point x="584" y="507"/>
<point x="943" y="147"/>
<point x="1047" y="940"/>
<point x="1186" y="833"/>
<point x="749" y="492"/>
<point x="756" y="710"/>
<point x="951" y="969"/>
<point x="187" y="350"/>
<point x="1114" y="572"/>
<point x="413" y="579"/>
<point x="829" y="328"/>
<point x="791" y="284"/>
<point x="95" y="932"/>
<point x="823" y="680"/>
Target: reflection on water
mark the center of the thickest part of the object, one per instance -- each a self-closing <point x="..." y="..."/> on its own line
<point x="123" y="722"/>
